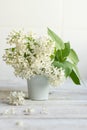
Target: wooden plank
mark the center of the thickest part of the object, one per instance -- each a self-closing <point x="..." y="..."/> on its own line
<point x="58" y="94"/>
<point x="67" y="110"/>
<point x="43" y="124"/>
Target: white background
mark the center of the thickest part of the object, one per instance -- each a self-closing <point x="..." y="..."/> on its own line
<point x="68" y="18"/>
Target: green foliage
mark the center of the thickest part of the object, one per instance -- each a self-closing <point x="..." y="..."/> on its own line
<point x="58" y="41"/>
<point x="13" y="49"/>
<point x="73" y="56"/>
<point x="66" y="50"/>
<point x="67" y="66"/>
<point x="74" y="77"/>
<point x="65" y="57"/>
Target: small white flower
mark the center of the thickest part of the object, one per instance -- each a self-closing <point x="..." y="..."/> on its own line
<point x="16" y="98"/>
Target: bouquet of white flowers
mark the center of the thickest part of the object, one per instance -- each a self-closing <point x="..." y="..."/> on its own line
<point x="31" y="55"/>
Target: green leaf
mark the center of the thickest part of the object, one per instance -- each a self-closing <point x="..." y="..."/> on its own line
<point x="58" y="41"/>
<point x="75" y="68"/>
<point x="61" y="55"/>
<point x="74" y="77"/>
<point x="13" y="49"/>
<point x="58" y="55"/>
<point x="66" y="50"/>
<point x="52" y="57"/>
<point x="25" y="55"/>
<point x="73" y="56"/>
<point x="67" y="66"/>
<point x="58" y="64"/>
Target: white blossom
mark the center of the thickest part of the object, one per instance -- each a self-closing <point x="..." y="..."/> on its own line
<point x="31" y="56"/>
<point x="16" y="98"/>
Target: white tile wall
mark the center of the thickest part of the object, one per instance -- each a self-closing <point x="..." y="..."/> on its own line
<point x="66" y="17"/>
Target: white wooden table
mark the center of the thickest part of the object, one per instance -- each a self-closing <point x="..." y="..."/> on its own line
<point x="67" y="110"/>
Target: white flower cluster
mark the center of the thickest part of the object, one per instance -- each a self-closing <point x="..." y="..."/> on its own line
<point x="16" y="98"/>
<point x="31" y="55"/>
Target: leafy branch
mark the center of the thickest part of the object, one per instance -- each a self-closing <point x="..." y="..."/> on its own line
<point x="64" y="56"/>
